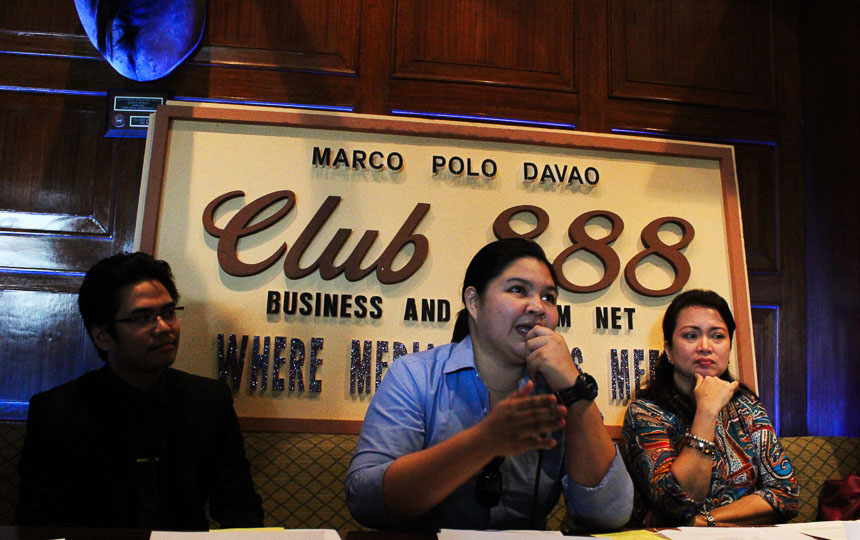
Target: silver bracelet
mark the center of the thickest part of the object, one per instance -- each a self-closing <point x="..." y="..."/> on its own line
<point x="699" y="444"/>
<point x="708" y="517"/>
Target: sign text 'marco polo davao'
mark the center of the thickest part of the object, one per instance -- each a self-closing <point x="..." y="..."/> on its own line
<point x="341" y="242"/>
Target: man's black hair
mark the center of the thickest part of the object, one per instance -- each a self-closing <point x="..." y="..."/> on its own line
<point x="98" y="298"/>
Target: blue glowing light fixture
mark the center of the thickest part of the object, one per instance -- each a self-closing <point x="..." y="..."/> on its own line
<point x="143" y="40"/>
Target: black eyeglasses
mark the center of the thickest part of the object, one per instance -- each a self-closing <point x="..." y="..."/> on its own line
<point x="148" y="319"/>
<point x="488" y="487"/>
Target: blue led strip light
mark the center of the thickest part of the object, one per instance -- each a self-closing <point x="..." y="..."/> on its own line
<point x="30" y="272"/>
<point x="687" y="137"/>
<point x="400" y="112"/>
<point x="34" y="90"/>
<point x="264" y="103"/>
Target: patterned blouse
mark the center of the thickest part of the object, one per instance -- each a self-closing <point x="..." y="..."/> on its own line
<point x="749" y="460"/>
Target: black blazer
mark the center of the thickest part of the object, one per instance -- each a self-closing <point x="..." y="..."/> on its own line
<point x="78" y="463"/>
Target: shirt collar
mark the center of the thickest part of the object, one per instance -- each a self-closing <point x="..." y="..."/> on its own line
<point x="124" y="391"/>
<point x="463" y="357"/>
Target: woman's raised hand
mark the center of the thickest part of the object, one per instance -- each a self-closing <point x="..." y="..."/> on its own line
<point x="522" y="422"/>
<point x="713" y="393"/>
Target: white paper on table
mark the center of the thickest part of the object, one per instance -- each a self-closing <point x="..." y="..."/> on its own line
<point x="831" y="530"/>
<point x="464" y="534"/>
<point x="249" y="534"/>
<point x="852" y="529"/>
<point x="733" y="533"/>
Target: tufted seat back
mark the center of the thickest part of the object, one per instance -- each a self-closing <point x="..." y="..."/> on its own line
<point x="300" y="476"/>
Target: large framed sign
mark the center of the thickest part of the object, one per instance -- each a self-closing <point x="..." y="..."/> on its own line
<point x="314" y="249"/>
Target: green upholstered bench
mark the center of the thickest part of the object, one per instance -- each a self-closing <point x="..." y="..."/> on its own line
<point x="300" y="475"/>
<point x="816" y="459"/>
<point x="11" y="441"/>
<point x="301" y="479"/>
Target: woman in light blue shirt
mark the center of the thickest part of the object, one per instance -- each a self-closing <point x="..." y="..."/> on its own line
<point x="485" y="432"/>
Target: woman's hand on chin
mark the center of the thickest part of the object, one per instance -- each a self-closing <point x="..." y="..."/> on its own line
<point x="522" y="422"/>
<point x="549" y="356"/>
<point x="713" y="393"/>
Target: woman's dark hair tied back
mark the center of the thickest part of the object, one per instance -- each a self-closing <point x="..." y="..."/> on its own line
<point x="489" y="263"/>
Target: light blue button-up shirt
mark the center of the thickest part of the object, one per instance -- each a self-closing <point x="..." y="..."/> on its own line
<point x="427" y="397"/>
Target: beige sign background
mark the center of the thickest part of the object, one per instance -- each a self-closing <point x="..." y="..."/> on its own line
<point x="444" y="185"/>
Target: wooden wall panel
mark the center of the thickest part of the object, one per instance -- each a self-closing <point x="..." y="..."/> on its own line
<point x="68" y="196"/>
<point x="760" y="203"/>
<point x="67" y="199"/>
<point x="39" y="16"/>
<point x="844" y="375"/>
<point x="765" y="322"/>
<point x="52" y="347"/>
<point x="263" y="86"/>
<point x="500" y="59"/>
<point x="831" y="116"/>
<point x="48" y="166"/>
<point x="43" y="45"/>
<point x="299" y="35"/>
<point x="59" y="182"/>
<point x="491" y="42"/>
<point x="302" y="52"/>
<point x="496" y="103"/>
<point x="670" y="76"/>
<point x="721" y="71"/>
<point x="710" y="53"/>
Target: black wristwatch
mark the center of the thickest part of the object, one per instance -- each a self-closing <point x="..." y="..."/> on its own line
<point x="585" y="387"/>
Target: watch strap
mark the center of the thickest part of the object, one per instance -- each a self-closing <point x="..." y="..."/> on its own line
<point x="567" y="396"/>
<point x="584" y="388"/>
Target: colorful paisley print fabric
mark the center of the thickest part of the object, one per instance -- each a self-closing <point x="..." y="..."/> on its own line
<point x="749" y="460"/>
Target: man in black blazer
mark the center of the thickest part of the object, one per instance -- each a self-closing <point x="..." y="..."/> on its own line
<point x="135" y="444"/>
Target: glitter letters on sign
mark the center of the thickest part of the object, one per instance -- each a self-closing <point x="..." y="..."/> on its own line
<point x="297" y="361"/>
<point x="260" y="363"/>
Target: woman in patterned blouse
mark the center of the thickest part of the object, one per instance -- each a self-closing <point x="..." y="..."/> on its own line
<point x="699" y="446"/>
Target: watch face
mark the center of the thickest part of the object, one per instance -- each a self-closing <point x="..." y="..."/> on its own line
<point x="587" y="387"/>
